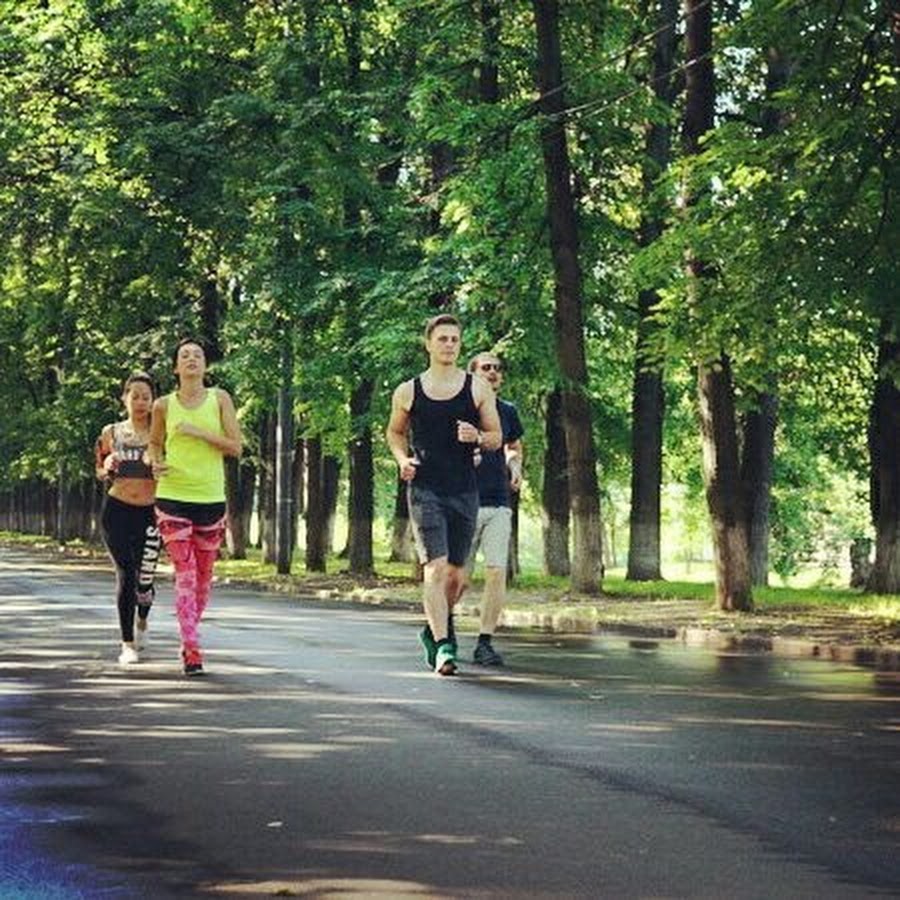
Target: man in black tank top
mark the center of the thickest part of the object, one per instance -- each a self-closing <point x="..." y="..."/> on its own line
<point x="438" y="419"/>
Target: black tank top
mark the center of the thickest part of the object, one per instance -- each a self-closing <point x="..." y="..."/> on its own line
<point x="446" y="465"/>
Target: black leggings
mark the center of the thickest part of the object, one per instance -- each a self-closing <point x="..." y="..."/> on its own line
<point x="131" y="536"/>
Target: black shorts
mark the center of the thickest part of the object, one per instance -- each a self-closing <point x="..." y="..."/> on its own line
<point x="442" y="526"/>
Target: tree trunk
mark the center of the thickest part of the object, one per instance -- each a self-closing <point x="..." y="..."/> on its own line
<point x="648" y="397"/>
<point x="758" y="455"/>
<point x="884" y="455"/>
<point x="757" y="464"/>
<point x="718" y="427"/>
<point x="555" y="491"/>
<point x="647" y="409"/>
<point x="362" y="482"/>
<point x="488" y="69"/>
<point x="860" y="562"/>
<point x="210" y="316"/>
<point x="267" y="488"/>
<point x="316" y="512"/>
<point x="584" y="492"/>
<point x="721" y="474"/>
<point x="284" y="459"/>
<point x="513" y="568"/>
<point x="240" y="480"/>
<point x="331" y="475"/>
<point x="299" y="482"/>
<point x="401" y="534"/>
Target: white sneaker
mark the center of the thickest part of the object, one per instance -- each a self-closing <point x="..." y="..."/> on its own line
<point x="128" y="656"/>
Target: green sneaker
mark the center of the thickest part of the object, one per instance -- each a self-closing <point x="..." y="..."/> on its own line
<point x="428" y="645"/>
<point x="445" y="660"/>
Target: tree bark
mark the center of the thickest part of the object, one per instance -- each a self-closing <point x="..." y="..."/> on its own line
<point x="648" y="397"/>
<point x="267" y="487"/>
<point x="284" y="459"/>
<point x="513" y="567"/>
<point x="331" y="474"/>
<point x="362" y="483"/>
<point x="488" y="69"/>
<point x="584" y="492"/>
<point x="555" y="491"/>
<point x="758" y="426"/>
<point x="401" y="533"/>
<point x="884" y="455"/>
<point x="316" y="511"/>
<point x="240" y="478"/>
<point x="718" y="426"/>
<point x="724" y="494"/>
<point x="299" y="482"/>
<point x="757" y="466"/>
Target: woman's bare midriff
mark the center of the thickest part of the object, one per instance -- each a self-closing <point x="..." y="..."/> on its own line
<point x="134" y="491"/>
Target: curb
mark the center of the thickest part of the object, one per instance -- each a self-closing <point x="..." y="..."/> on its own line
<point x="883" y="658"/>
<point x="589" y="621"/>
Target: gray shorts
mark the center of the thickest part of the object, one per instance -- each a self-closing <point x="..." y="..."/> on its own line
<point x="493" y="530"/>
<point x="442" y="526"/>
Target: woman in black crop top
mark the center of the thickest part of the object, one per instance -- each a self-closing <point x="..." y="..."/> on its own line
<point x="127" y="521"/>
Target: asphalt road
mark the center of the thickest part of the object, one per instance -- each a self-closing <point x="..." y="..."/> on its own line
<point x="319" y="758"/>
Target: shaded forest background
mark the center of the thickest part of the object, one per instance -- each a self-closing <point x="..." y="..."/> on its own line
<point x="676" y="223"/>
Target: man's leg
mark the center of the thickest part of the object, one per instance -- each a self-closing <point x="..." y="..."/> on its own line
<point x="437" y="612"/>
<point x="497" y="532"/>
<point x="492" y="598"/>
<point x="435" y="597"/>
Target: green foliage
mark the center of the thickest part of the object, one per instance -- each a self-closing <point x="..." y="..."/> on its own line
<point x="325" y="174"/>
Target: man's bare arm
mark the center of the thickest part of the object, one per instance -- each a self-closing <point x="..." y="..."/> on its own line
<point x="397" y="431"/>
<point x="489" y="419"/>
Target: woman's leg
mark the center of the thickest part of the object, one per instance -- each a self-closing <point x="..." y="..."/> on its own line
<point x="117" y="539"/>
<point x="149" y="556"/>
<point x="177" y="535"/>
<point x="206" y="540"/>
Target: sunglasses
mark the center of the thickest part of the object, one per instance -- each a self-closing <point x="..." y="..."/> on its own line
<point x="487" y="367"/>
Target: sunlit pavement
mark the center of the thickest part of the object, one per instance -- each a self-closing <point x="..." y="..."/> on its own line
<point x="320" y="759"/>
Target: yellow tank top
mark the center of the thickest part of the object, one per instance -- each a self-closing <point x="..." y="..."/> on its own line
<point x="196" y="469"/>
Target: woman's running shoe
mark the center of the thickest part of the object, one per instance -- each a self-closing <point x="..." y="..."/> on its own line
<point x="193" y="661"/>
<point x="128" y="656"/>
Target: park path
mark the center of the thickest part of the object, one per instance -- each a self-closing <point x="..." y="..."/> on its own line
<point x="319" y="758"/>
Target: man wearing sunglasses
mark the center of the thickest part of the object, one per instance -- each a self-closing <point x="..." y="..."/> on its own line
<point x="499" y="472"/>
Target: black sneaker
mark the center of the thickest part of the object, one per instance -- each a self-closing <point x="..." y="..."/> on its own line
<point x="193" y="668"/>
<point x="486" y="655"/>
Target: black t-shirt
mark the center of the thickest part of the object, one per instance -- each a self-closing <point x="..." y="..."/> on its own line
<point x="493" y="478"/>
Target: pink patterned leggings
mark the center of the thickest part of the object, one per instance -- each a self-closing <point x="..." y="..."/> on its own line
<point x="193" y="550"/>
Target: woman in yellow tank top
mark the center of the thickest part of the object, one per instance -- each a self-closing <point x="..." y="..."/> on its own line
<point x="193" y="429"/>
